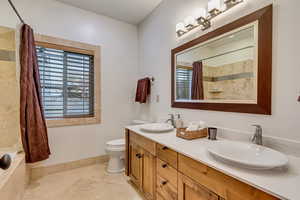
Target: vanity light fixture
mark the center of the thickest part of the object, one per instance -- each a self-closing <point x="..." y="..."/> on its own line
<point x="190" y="23"/>
<point x="203" y="17"/>
<point x="231" y="3"/>
<point x="214" y="7"/>
<point x="202" y="20"/>
<point x="180" y="29"/>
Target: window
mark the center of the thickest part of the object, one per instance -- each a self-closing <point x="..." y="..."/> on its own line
<point x="69" y="81"/>
<point x="183" y="82"/>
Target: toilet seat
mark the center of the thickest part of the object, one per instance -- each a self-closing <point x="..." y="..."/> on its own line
<point x="115" y="149"/>
<point x="116" y="145"/>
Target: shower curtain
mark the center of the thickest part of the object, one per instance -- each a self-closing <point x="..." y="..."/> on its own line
<point x="33" y="126"/>
<point x="197" y="81"/>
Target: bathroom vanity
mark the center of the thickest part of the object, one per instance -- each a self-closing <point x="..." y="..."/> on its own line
<point x="170" y="172"/>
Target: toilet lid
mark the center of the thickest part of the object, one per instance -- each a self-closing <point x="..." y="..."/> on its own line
<point x="119" y="142"/>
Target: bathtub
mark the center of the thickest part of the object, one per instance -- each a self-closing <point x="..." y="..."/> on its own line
<point x="13" y="181"/>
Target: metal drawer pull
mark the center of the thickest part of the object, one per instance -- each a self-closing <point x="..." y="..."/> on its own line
<point x="164" y="165"/>
<point x="164" y="148"/>
<point x="138" y="155"/>
<point x="164" y="182"/>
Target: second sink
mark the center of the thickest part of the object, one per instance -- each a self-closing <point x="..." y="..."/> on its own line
<point x="248" y="155"/>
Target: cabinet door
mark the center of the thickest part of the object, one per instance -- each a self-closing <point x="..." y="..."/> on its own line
<point x="191" y="190"/>
<point x="135" y="156"/>
<point x="167" y="190"/>
<point x="148" y="175"/>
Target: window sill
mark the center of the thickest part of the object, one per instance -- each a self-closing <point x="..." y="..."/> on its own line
<point x="52" y="123"/>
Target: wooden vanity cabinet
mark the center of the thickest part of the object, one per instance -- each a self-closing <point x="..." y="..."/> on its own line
<point x="161" y="173"/>
<point x="135" y="157"/>
<point x="148" y="175"/>
<point x="141" y="165"/>
<point x="189" y="189"/>
<point x="166" y="154"/>
<point x="166" y="177"/>
<point x="226" y="187"/>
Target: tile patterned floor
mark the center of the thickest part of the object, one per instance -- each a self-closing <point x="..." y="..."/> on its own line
<point x="86" y="183"/>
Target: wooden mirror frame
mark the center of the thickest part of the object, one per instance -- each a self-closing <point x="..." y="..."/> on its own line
<point x="264" y="82"/>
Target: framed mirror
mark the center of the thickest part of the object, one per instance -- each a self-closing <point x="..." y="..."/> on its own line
<point x="228" y="69"/>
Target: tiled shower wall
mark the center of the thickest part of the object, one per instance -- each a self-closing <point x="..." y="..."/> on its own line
<point x="234" y="81"/>
<point x="9" y="90"/>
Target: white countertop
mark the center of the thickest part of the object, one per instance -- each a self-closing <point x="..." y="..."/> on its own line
<point x="282" y="183"/>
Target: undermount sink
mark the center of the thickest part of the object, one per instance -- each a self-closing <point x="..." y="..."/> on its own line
<point x="157" y="127"/>
<point x="247" y="155"/>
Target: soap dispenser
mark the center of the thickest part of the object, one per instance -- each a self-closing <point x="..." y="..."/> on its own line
<point x="178" y="122"/>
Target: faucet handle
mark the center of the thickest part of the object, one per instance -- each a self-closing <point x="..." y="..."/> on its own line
<point x="171" y="115"/>
<point x="257" y="137"/>
<point x="257" y="126"/>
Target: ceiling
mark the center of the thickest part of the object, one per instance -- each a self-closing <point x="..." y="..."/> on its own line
<point x="130" y="11"/>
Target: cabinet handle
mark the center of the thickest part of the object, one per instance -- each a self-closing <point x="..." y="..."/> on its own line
<point x="138" y="155"/>
<point x="164" y="182"/>
<point x="164" y="165"/>
<point x="164" y="148"/>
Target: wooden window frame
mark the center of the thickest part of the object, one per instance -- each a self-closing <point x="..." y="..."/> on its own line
<point x="83" y="48"/>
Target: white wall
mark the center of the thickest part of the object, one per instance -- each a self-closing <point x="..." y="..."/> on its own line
<point x="206" y="52"/>
<point x="119" y="62"/>
<point x="157" y="37"/>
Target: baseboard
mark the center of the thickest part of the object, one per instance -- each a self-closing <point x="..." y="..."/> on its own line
<point x="39" y="172"/>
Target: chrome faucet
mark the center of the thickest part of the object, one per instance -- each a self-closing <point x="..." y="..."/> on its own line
<point x="257" y="137"/>
<point x="171" y="119"/>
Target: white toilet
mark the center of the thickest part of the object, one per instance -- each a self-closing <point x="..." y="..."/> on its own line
<point x="115" y="150"/>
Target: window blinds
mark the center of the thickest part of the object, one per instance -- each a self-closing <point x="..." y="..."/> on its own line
<point x="67" y="83"/>
<point x="183" y="83"/>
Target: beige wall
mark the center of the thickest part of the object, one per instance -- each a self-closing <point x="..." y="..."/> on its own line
<point x="9" y="101"/>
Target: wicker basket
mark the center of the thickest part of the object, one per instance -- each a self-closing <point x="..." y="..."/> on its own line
<point x="190" y="135"/>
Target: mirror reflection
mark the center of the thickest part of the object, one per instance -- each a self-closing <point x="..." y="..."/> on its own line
<point x="223" y="69"/>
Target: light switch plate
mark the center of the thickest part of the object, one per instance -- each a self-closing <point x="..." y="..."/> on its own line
<point x="157" y="98"/>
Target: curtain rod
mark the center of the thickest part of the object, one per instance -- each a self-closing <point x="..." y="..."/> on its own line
<point x="17" y="13"/>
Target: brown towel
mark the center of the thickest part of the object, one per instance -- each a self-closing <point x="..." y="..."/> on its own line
<point x="143" y="90"/>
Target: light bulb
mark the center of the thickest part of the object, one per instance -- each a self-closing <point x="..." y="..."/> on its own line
<point x="180" y="27"/>
<point x="190" y="21"/>
<point x="231" y="3"/>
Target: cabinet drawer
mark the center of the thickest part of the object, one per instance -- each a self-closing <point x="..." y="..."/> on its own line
<point x="189" y="189"/>
<point x="166" y="154"/>
<point x="225" y="186"/>
<point x="165" y="189"/>
<point x="167" y="172"/>
<point x="143" y="142"/>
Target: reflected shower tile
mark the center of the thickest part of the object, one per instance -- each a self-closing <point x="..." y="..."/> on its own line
<point x="6" y="55"/>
